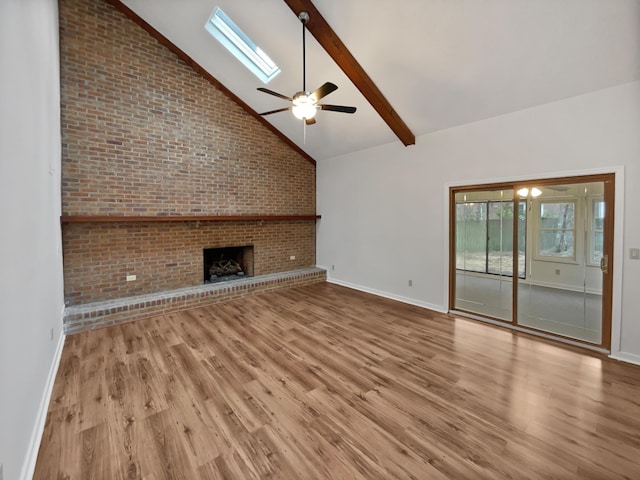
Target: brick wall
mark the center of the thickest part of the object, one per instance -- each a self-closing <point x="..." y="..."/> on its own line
<point x="144" y="134"/>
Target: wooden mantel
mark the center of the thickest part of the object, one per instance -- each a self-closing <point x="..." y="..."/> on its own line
<point x="181" y="218"/>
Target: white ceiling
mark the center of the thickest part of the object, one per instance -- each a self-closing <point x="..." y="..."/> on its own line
<point x="440" y="63"/>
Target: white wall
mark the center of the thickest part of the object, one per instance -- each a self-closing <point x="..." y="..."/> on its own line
<point x="31" y="284"/>
<point x="384" y="209"/>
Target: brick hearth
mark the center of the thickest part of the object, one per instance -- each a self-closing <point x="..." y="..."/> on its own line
<point x="91" y="316"/>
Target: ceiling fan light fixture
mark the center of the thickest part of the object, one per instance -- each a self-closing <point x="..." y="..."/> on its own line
<point x="304" y="106"/>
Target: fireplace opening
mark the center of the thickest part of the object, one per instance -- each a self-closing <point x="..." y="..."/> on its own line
<point x="227" y="263"/>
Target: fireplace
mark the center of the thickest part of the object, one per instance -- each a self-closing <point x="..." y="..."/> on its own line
<point x="227" y="263"/>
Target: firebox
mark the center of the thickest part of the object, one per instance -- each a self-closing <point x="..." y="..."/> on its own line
<point x="227" y="263"/>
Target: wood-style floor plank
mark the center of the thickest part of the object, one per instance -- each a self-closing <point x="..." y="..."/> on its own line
<point x="323" y="382"/>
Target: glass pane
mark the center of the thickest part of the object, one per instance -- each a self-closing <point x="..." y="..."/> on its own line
<point x="556" y="296"/>
<point x="500" y="238"/>
<point x="556" y="243"/>
<point x="522" y="238"/>
<point x="598" y="246"/>
<point x="597" y="234"/>
<point x="471" y="236"/>
<point x="484" y="253"/>
<point x="557" y="215"/>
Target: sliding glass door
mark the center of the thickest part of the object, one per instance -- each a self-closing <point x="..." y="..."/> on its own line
<point x="554" y="237"/>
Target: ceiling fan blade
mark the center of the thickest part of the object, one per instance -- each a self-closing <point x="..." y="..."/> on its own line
<point x="275" y="94"/>
<point x="276" y="111"/>
<point x="324" y="90"/>
<point x="338" y="108"/>
<point x="310" y="121"/>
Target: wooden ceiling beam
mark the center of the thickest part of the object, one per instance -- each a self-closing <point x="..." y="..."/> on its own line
<point x="337" y="50"/>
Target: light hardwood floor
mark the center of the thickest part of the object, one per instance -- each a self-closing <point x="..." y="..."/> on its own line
<point x="322" y="382"/>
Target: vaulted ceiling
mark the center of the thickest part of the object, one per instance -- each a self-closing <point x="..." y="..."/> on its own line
<point x="439" y="63"/>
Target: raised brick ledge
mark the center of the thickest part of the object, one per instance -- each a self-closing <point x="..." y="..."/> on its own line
<point x="90" y="316"/>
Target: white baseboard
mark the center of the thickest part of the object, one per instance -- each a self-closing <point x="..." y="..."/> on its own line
<point x="391" y="296"/>
<point x="29" y="465"/>
<point x="626" y="357"/>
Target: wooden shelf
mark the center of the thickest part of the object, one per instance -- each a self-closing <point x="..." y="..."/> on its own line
<point x="182" y="218"/>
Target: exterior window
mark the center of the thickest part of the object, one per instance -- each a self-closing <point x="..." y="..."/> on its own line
<point x="557" y="230"/>
<point x="596" y="234"/>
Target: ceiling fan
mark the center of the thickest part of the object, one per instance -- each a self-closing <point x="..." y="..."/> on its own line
<point x="305" y="104"/>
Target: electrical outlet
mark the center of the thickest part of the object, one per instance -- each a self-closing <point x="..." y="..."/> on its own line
<point x="557" y="271"/>
<point x="634" y="253"/>
<point x="292" y="257"/>
<point x="131" y="278"/>
<point x="333" y="267"/>
<point x="411" y="283"/>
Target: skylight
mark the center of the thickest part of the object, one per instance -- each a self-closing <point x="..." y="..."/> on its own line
<point x="241" y="46"/>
